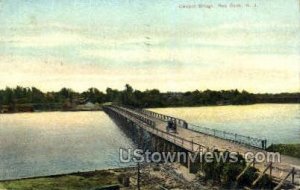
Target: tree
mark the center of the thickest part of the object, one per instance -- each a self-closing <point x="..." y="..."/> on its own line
<point x="127" y="96"/>
<point x="112" y="95"/>
<point x="37" y="96"/>
<point x="94" y="95"/>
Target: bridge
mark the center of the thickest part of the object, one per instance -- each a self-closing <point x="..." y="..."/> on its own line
<point x="195" y="139"/>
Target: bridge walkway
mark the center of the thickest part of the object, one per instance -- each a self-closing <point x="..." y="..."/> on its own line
<point x="196" y="141"/>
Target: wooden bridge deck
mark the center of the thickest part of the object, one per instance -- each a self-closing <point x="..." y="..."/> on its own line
<point x="194" y="141"/>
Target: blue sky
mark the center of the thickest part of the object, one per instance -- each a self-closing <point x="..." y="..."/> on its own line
<point x="150" y="44"/>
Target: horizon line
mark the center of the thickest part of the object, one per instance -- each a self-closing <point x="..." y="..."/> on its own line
<point x="161" y="91"/>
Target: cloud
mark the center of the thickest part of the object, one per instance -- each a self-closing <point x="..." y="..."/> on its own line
<point x="258" y="58"/>
<point x="45" y="40"/>
<point x="277" y="74"/>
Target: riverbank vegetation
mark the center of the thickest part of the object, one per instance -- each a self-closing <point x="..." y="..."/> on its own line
<point x="213" y="175"/>
<point x="225" y="173"/>
<point x="151" y="178"/>
<point x="286" y="149"/>
<point x="22" y="99"/>
<point x="75" y="181"/>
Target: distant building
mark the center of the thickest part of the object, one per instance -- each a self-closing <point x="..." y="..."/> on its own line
<point x="88" y="106"/>
<point x="4" y="110"/>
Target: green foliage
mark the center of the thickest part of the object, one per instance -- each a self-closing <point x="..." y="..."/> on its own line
<point x="112" y="95"/>
<point x="278" y="98"/>
<point x="249" y="176"/>
<point x="286" y="149"/>
<point x="225" y="171"/>
<point x="11" y="97"/>
<point x="154" y="98"/>
<point x="94" y="95"/>
<point x="75" y="181"/>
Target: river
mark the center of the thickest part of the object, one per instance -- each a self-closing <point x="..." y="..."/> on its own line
<point x="278" y="123"/>
<point x="46" y="143"/>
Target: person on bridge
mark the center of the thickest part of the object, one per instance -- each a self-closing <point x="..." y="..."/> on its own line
<point x="185" y="125"/>
<point x="171" y="126"/>
<point x="174" y="125"/>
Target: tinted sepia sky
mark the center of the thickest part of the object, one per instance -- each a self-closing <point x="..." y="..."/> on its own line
<point x="79" y="44"/>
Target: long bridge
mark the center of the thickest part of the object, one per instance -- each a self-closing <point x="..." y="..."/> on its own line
<point x="196" y="139"/>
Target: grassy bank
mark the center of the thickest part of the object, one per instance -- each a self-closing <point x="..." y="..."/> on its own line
<point x="152" y="178"/>
<point x="74" y="181"/>
<point x="286" y="149"/>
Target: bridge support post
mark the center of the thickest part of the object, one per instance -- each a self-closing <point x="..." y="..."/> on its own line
<point x="164" y="146"/>
<point x="141" y="138"/>
<point x="182" y="156"/>
<point x="158" y="145"/>
<point x="193" y="162"/>
<point x="169" y="147"/>
<point x="173" y="148"/>
<point x="153" y="143"/>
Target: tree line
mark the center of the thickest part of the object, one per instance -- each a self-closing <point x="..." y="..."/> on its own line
<point x="131" y="97"/>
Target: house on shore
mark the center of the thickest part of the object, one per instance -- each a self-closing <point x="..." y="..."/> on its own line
<point x="88" y="106"/>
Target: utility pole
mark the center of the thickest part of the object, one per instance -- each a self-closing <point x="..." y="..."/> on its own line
<point x="138" y="164"/>
<point x="138" y="176"/>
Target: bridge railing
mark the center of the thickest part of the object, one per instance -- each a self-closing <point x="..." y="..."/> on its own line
<point x="242" y="139"/>
<point x="189" y="144"/>
<point x="141" y="118"/>
<point x="179" y="122"/>
<point x="194" y="147"/>
<point x="247" y="140"/>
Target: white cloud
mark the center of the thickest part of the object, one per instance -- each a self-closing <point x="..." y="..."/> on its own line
<point x="200" y="66"/>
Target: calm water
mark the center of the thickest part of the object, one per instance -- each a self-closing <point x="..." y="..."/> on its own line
<point x="279" y="123"/>
<point x="34" y="144"/>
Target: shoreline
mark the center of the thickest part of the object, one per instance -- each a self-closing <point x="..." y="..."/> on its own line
<point x="153" y="176"/>
<point x="193" y="106"/>
<point x="49" y="111"/>
<point x="213" y="105"/>
<point x="72" y="180"/>
<point x="65" y="174"/>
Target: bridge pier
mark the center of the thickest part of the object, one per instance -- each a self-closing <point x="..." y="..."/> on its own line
<point x="147" y="139"/>
<point x="162" y="145"/>
<point x="153" y="143"/>
<point x="194" y="165"/>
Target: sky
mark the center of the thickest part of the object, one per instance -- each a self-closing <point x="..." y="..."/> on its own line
<point x="163" y="44"/>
